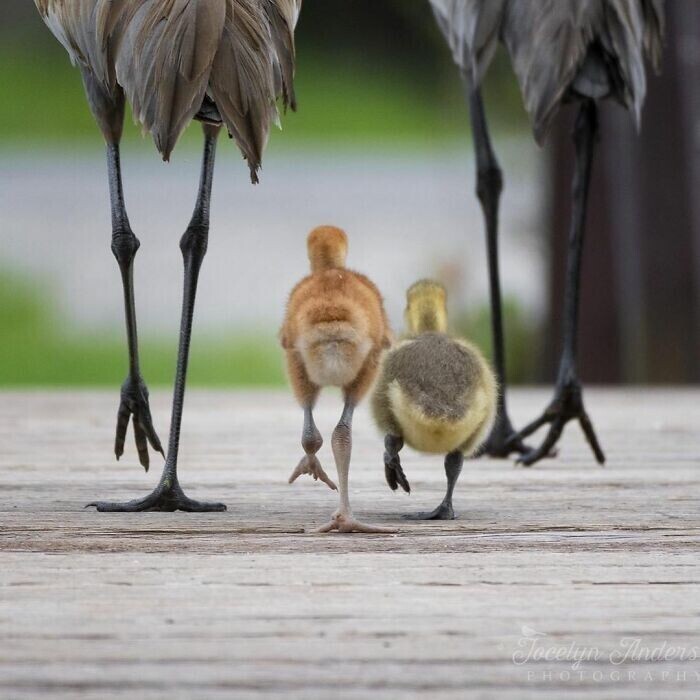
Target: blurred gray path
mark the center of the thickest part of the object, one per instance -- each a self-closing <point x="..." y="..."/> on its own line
<point x="407" y="217"/>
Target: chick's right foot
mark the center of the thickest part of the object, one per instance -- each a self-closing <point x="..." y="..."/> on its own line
<point x="310" y="465"/>
<point x="346" y="523"/>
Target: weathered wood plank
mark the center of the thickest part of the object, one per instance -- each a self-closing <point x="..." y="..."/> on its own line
<point x="250" y="603"/>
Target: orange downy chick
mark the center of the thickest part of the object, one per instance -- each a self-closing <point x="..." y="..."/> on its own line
<point x="334" y="332"/>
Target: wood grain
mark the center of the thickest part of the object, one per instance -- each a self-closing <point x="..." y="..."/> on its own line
<point x="249" y="603"/>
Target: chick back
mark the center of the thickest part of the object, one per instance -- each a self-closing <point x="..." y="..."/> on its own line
<point x="437" y="392"/>
<point x="334" y="320"/>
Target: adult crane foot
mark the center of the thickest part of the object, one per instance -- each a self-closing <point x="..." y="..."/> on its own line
<point x="134" y="405"/>
<point x="443" y="512"/>
<point x="346" y="523"/>
<point x="566" y="405"/>
<point x="167" y="499"/>
<point x="503" y="440"/>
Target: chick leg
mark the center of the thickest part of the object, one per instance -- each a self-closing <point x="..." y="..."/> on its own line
<point x="453" y="468"/>
<point x="168" y="495"/>
<point x="311" y="442"/>
<point x="393" y="471"/>
<point x="343" y="519"/>
<point x="567" y="403"/>
<point x="503" y="439"/>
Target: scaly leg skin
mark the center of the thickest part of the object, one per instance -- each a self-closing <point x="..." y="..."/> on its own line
<point x="503" y="440"/>
<point x="568" y="400"/>
<point x="107" y="105"/>
<point x="343" y="519"/>
<point x="311" y="441"/>
<point x="168" y="495"/>
<point x="134" y="393"/>
<point x="453" y="468"/>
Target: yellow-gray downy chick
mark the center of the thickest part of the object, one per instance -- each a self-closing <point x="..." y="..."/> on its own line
<point x="435" y="393"/>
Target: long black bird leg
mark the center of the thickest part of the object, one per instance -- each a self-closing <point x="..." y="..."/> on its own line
<point x="134" y="393"/>
<point x="453" y="468"/>
<point x="567" y="403"/>
<point x="311" y="442"/>
<point x="168" y="495"/>
<point x="108" y="108"/>
<point x="503" y="439"/>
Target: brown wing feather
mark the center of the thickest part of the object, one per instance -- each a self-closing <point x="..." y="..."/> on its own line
<point x="471" y="29"/>
<point x="164" y="60"/>
<point x="249" y="73"/>
<point x="283" y="15"/>
<point x="167" y="54"/>
<point x="84" y="27"/>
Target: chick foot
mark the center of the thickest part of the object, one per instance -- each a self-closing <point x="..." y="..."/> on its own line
<point x="346" y="523"/>
<point x="134" y="405"/>
<point x="167" y="498"/>
<point x="309" y="464"/>
<point x="566" y="405"/>
<point x="443" y="512"/>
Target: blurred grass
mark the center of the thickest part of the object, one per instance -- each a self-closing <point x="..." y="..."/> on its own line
<point x="36" y="351"/>
<point x="521" y="337"/>
<point x="346" y="102"/>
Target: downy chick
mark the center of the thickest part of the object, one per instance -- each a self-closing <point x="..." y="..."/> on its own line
<point x="334" y="332"/>
<point x="435" y="393"/>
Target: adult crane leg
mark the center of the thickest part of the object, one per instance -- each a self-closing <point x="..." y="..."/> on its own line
<point x="168" y="495"/>
<point x="503" y="439"/>
<point x="109" y="113"/>
<point x="567" y="403"/>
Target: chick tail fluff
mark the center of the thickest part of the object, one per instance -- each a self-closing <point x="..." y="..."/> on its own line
<point x="437" y="434"/>
<point x="334" y="352"/>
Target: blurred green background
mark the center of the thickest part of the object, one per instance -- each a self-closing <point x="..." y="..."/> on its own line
<point x="372" y="77"/>
<point x="381" y="144"/>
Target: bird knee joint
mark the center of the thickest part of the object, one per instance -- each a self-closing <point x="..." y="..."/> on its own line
<point x="124" y="247"/>
<point x="311" y="441"/>
<point x="489" y="182"/>
<point x="393" y="444"/>
<point x="194" y="242"/>
<point x="342" y="435"/>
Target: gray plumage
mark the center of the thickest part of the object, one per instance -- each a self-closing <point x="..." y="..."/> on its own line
<point x="435" y="373"/>
<point x="595" y="48"/>
<point x="174" y="59"/>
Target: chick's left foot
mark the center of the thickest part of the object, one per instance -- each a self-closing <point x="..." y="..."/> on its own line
<point x="443" y="512"/>
<point x="566" y="405"/>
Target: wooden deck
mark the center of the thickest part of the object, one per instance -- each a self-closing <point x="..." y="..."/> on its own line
<point x="563" y="560"/>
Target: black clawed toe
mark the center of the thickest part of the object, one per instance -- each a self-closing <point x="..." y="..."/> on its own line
<point x="503" y="441"/>
<point x="134" y="404"/>
<point x="167" y="498"/>
<point x="567" y="405"/>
